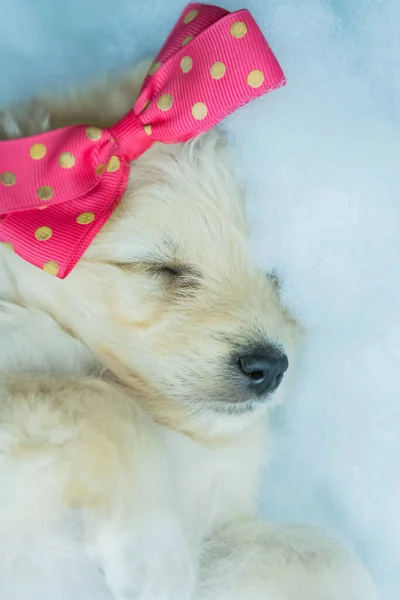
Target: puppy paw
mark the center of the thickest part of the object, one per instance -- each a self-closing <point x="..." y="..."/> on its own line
<point x="145" y="565"/>
<point x="290" y="563"/>
<point x="24" y="121"/>
<point x="158" y="578"/>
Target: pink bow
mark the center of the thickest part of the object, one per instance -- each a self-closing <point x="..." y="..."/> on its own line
<point x="212" y="63"/>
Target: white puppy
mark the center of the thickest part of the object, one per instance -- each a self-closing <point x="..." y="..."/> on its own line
<point x="134" y="397"/>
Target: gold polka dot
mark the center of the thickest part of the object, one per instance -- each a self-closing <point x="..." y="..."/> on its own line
<point x="146" y="104"/>
<point x="165" y="102"/>
<point x="37" y="151"/>
<point x="154" y="67"/>
<point x="93" y="133"/>
<point x="42" y="207"/>
<point x="190" y="16"/>
<point x="238" y="29"/>
<point x="218" y="70"/>
<point x="50" y="267"/>
<point x="199" y="111"/>
<point x="186" y="64"/>
<point x="66" y="160"/>
<point x="8" y="246"/>
<point x="147" y="129"/>
<point x="43" y="233"/>
<point x="187" y="39"/>
<point x="85" y="218"/>
<point x="255" y="78"/>
<point x="99" y="169"/>
<point x="45" y="192"/>
<point x="8" y="178"/>
<point x="113" y="165"/>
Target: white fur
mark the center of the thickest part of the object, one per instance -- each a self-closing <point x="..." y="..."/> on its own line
<point x="116" y="451"/>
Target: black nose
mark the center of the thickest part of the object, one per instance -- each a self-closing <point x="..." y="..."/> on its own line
<point x="264" y="368"/>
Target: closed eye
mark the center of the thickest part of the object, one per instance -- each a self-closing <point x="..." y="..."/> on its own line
<point x="183" y="277"/>
<point x="171" y="270"/>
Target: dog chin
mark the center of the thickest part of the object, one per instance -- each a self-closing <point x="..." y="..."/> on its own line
<point x="230" y="418"/>
<point x="240" y="406"/>
<point x="236" y="408"/>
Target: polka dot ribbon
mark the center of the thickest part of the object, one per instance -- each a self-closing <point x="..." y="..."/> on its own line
<point x="212" y="63"/>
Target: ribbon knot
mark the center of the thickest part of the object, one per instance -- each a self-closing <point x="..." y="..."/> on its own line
<point x="212" y="63"/>
<point x="132" y="136"/>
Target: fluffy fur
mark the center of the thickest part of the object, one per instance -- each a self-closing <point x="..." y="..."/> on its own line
<point x="129" y="466"/>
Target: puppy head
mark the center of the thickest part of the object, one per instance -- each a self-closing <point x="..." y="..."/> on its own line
<point x="174" y="304"/>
